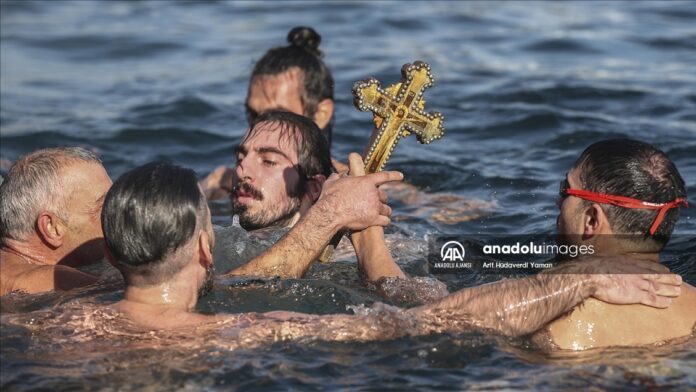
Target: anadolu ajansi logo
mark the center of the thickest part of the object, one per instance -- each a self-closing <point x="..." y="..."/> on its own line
<point x="452" y="251"/>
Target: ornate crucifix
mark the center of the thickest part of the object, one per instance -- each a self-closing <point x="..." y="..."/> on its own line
<point x="398" y="111"/>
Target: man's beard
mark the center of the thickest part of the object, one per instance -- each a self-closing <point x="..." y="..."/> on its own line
<point x="270" y="216"/>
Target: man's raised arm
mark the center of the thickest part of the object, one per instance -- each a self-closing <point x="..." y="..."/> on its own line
<point x="346" y="203"/>
<point x="517" y="307"/>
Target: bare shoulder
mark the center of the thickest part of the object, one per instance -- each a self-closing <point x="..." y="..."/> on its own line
<point x="689" y="292"/>
<point x="13" y="273"/>
<point x="32" y="278"/>
<point x="599" y="324"/>
<point x="686" y="303"/>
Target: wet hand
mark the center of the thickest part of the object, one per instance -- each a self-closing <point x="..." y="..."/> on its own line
<point x="356" y="199"/>
<point x="626" y="280"/>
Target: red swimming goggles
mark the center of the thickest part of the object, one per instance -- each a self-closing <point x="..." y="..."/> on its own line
<point x="623" y="201"/>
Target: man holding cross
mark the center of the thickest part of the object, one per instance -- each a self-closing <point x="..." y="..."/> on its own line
<point x="282" y="165"/>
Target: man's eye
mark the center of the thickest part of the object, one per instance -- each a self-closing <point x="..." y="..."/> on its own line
<point x="269" y="162"/>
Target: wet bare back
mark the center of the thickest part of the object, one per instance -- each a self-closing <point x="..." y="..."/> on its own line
<point x="599" y="324"/>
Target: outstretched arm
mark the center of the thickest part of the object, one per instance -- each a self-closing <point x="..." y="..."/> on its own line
<point x="520" y="306"/>
<point x="347" y="203"/>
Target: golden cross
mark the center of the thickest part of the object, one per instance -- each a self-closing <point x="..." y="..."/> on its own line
<point x="398" y="111"/>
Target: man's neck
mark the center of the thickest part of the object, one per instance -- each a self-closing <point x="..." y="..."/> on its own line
<point x="288" y="223"/>
<point x="620" y="248"/>
<point x="30" y="252"/>
<point x="174" y="294"/>
<point x="649" y="256"/>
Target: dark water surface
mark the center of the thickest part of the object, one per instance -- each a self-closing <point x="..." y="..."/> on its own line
<point x="524" y="88"/>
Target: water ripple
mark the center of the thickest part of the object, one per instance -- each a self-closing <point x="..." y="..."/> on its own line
<point x="102" y="48"/>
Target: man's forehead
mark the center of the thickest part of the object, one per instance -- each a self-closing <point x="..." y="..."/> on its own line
<point x="272" y="134"/>
<point x="85" y="179"/>
<point x="280" y="83"/>
<point x="83" y="172"/>
<point x="279" y="91"/>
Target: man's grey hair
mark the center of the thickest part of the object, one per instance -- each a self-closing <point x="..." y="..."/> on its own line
<point x="34" y="185"/>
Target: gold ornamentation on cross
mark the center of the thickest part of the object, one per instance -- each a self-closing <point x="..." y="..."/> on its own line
<point x="398" y="111"/>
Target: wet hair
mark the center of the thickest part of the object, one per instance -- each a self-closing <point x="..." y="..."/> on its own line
<point x="303" y="53"/>
<point x="149" y="218"/>
<point x="634" y="169"/>
<point x="33" y="185"/>
<point x="312" y="149"/>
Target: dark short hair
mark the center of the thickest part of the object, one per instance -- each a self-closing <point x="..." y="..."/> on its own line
<point x="631" y="168"/>
<point x="312" y="149"/>
<point x="303" y="53"/>
<point x="149" y="213"/>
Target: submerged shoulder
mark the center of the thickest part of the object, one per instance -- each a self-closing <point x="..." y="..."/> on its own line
<point x="150" y="317"/>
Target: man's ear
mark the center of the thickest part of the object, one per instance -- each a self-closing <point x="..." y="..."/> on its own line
<point x="50" y="229"/>
<point x="314" y="187"/>
<point x="324" y="113"/>
<point x="204" y="252"/>
<point x="594" y="220"/>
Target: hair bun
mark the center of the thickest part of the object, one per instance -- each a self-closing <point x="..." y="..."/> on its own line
<point x="305" y="37"/>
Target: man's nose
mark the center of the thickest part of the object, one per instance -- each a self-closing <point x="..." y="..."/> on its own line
<point x="243" y="170"/>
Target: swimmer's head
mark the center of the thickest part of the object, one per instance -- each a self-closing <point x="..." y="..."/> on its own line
<point x="293" y="78"/>
<point x="282" y="163"/>
<point x="157" y="225"/>
<point x="628" y="169"/>
<point x="51" y="201"/>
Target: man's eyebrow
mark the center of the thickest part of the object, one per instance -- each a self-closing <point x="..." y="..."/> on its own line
<point x="240" y="150"/>
<point x="272" y="150"/>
